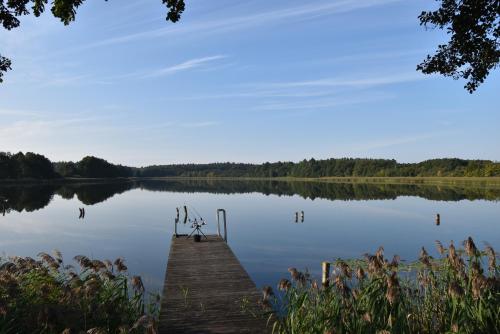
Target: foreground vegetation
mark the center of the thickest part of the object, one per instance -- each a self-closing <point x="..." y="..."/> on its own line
<point x="47" y="296"/>
<point x="36" y="166"/>
<point x="456" y="293"/>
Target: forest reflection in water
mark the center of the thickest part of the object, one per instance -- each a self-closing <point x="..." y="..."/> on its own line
<point x="134" y="219"/>
<point x="31" y="197"/>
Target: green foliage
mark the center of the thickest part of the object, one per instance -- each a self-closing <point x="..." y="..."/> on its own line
<point x="473" y="49"/>
<point x="37" y="166"/>
<point x="5" y="65"/>
<point x="95" y="167"/>
<point x="47" y="296"/>
<point x="453" y="294"/>
<point x="92" y="167"/>
<point x="64" y="10"/>
<point x="196" y="170"/>
<point x="345" y="167"/>
<point x="29" y="165"/>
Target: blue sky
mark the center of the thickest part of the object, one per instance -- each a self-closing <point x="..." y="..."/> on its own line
<point x="248" y="81"/>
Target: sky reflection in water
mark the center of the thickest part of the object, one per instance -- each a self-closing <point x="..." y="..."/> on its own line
<point x="134" y="220"/>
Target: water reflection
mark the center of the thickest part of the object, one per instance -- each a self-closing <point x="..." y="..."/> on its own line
<point x="343" y="220"/>
<point x="31" y="197"/>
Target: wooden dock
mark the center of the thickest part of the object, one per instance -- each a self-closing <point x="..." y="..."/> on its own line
<point x="208" y="291"/>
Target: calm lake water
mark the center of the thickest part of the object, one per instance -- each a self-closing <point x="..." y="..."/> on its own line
<point x="135" y="220"/>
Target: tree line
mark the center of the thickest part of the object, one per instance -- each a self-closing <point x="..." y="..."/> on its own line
<point x="344" y="167"/>
<point x="36" y="166"/>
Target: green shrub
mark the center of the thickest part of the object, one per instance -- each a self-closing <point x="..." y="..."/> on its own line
<point x="452" y="294"/>
<point x="47" y="296"/>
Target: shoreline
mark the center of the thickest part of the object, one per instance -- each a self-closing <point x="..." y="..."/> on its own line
<point x="413" y="180"/>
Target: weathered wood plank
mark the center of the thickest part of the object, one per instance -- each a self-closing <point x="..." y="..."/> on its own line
<point x="208" y="291"/>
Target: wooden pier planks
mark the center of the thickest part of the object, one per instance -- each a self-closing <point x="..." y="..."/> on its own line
<point x="208" y="291"/>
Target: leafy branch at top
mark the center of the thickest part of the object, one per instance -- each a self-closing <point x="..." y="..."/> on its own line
<point x="65" y="10"/>
<point x="474" y="46"/>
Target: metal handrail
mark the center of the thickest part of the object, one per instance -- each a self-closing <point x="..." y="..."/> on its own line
<point x="225" y="223"/>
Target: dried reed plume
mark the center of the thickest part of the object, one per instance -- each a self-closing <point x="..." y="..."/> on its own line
<point x="120" y="265"/>
<point x="448" y="294"/>
<point x="470" y="247"/>
<point x="45" y="296"/>
<point x="490" y="252"/>
<point x="441" y="250"/>
<point x="267" y="293"/>
<point x="284" y="284"/>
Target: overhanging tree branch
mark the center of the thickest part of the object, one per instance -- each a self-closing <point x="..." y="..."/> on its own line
<point x="474" y="46"/>
<point x="5" y="65"/>
<point x="65" y="10"/>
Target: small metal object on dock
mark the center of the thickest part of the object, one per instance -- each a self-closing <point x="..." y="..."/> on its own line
<point x="207" y="290"/>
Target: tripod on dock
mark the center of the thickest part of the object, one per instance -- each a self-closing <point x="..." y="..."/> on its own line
<point x="197" y="228"/>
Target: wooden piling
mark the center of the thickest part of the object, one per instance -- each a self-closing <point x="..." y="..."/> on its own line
<point x="325" y="277"/>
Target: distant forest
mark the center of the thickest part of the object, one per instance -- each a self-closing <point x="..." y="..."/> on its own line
<point x="36" y="166"/>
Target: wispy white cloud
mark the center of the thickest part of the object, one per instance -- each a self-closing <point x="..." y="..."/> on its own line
<point x="33" y="128"/>
<point x="360" y="82"/>
<point x="277" y="16"/>
<point x="184" y="66"/>
<point x="63" y="80"/>
<point x="313" y="94"/>
<point x="47" y="79"/>
<point x="209" y="62"/>
<point x="250" y="94"/>
<point x="199" y="124"/>
<point x="368" y="56"/>
<point x="16" y="112"/>
<point x="317" y="104"/>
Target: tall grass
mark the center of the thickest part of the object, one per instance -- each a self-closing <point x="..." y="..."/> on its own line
<point x="48" y="296"/>
<point x="457" y="293"/>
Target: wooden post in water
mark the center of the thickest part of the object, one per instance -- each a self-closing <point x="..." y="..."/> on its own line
<point x="325" y="277"/>
<point x="185" y="214"/>
<point x="176" y="222"/>
<point x="438" y="219"/>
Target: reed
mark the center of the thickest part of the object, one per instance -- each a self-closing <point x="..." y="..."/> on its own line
<point x="45" y="295"/>
<point x="459" y="292"/>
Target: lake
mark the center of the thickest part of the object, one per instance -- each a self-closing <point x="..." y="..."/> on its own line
<point x="135" y="220"/>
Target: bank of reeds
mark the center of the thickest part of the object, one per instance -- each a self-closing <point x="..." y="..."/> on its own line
<point x="45" y="295"/>
<point x="459" y="292"/>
